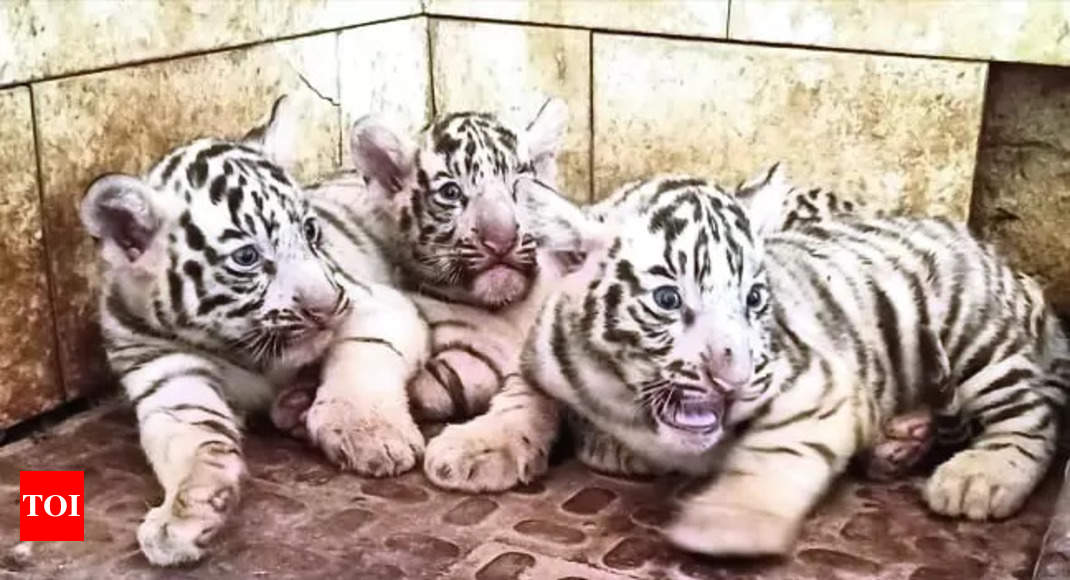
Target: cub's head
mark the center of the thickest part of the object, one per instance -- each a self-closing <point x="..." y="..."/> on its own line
<point x="216" y="247"/>
<point x="452" y="199"/>
<point x="667" y="326"/>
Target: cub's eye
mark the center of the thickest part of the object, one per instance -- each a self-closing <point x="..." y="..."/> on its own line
<point x="449" y="193"/>
<point x="246" y="256"/>
<point x="312" y="231"/>
<point x="756" y="297"/>
<point x="668" y="297"/>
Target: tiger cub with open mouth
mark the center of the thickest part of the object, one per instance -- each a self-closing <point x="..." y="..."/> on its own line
<point x="700" y="335"/>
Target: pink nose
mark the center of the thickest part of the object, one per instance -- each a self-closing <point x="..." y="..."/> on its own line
<point x="499" y="238"/>
<point x="729" y="365"/>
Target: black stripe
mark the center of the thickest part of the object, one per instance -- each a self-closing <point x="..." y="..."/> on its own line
<point x="800" y="416"/>
<point x="1011" y="412"/>
<point x="774" y="450"/>
<point x="474" y="353"/>
<point x="195" y="407"/>
<point x="1003" y="445"/>
<point x="888" y="321"/>
<point x="371" y="340"/>
<point x="444" y="373"/>
<point x="208" y="375"/>
<point x="1013" y="377"/>
<point x="219" y="427"/>
<point x="823" y="450"/>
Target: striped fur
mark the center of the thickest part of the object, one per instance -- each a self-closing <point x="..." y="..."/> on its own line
<point x="220" y="279"/>
<point x="787" y="349"/>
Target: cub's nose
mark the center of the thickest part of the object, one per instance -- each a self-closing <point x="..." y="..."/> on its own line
<point x="499" y="239"/>
<point x="325" y="312"/>
<point x="729" y="365"/>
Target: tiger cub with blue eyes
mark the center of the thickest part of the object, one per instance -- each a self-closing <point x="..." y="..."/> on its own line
<point x="705" y="337"/>
<point x="220" y="279"/>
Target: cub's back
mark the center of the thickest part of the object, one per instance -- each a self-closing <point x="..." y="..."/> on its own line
<point x="901" y="293"/>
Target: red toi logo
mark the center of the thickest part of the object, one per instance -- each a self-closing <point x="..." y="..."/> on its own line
<point x="51" y="506"/>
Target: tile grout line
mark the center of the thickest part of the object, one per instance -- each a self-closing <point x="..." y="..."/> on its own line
<point x="721" y="40"/>
<point x="57" y="348"/>
<point x="200" y="52"/>
<point x="433" y="106"/>
<point x="728" y="20"/>
<point x="974" y="201"/>
<point x="590" y="117"/>
<point x="338" y="94"/>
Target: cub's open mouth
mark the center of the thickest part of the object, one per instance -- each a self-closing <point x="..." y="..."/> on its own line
<point x="693" y="409"/>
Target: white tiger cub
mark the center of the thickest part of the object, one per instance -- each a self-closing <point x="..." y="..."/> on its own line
<point x="458" y="211"/>
<point x="703" y="340"/>
<point x="219" y="280"/>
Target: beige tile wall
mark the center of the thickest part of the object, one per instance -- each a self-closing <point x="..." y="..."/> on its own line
<point x="900" y="132"/>
<point x="651" y="87"/>
<point x="1006" y="30"/>
<point x="385" y="70"/>
<point x="47" y="38"/>
<point x="29" y="379"/>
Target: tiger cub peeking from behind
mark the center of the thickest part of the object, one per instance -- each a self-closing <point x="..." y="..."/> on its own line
<point x="706" y="338"/>
<point x="220" y="278"/>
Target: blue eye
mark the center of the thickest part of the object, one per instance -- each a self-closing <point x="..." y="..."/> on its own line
<point x="756" y="297"/>
<point x="668" y="297"/>
<point x="246" y="256"/>
<point x="449" y="193"/>
<point x="312" y="231"/>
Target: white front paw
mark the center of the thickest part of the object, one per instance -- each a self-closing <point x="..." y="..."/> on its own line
<point x="168" y="541"/>
<point x="368" y="443"/>
<point x="178" y="531"/>
<point x="726" y="530"/>
<point x="470" y="457"/>
<point x="979" y="484"/>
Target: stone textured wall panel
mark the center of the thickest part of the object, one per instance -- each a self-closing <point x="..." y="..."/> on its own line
<point x="41" y="38"/>
<point x="29" y="379"/>
<point x="512" y="70"/>
<point x="384" y="69"/>
<point x="1010" y="30"/>
<point x="123" y="120"/>
<point x="899" y="132"/>
<point x="1022" y="198"/>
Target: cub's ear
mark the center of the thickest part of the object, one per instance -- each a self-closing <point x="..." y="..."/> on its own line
<point x="118" y="209"/>
<point x="765" y="197"/>
<point x="544" y="136"/>
<point x="380" y="154"/>
<point x="562" y="230"/>
<point x="277" y="137"/>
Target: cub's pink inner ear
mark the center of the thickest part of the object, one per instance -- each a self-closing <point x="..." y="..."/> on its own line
<point x="380" y="155"/>
<point x="118" y="208"/>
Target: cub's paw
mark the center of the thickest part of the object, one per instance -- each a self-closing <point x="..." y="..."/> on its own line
<point x="905" y="442"/>
<point x="364" y="442"/>
<point x="979" y="484"/>
<point x="289" y="410"/>
<point x="731" y="531"/>
<point x="178" y="531"/>
<point x="473" y="458"/>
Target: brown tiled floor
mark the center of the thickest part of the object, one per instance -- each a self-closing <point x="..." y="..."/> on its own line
<point x="300" y="518"/>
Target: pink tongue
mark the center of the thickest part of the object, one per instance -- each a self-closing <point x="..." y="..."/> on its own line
<point x="695" y="413"/>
